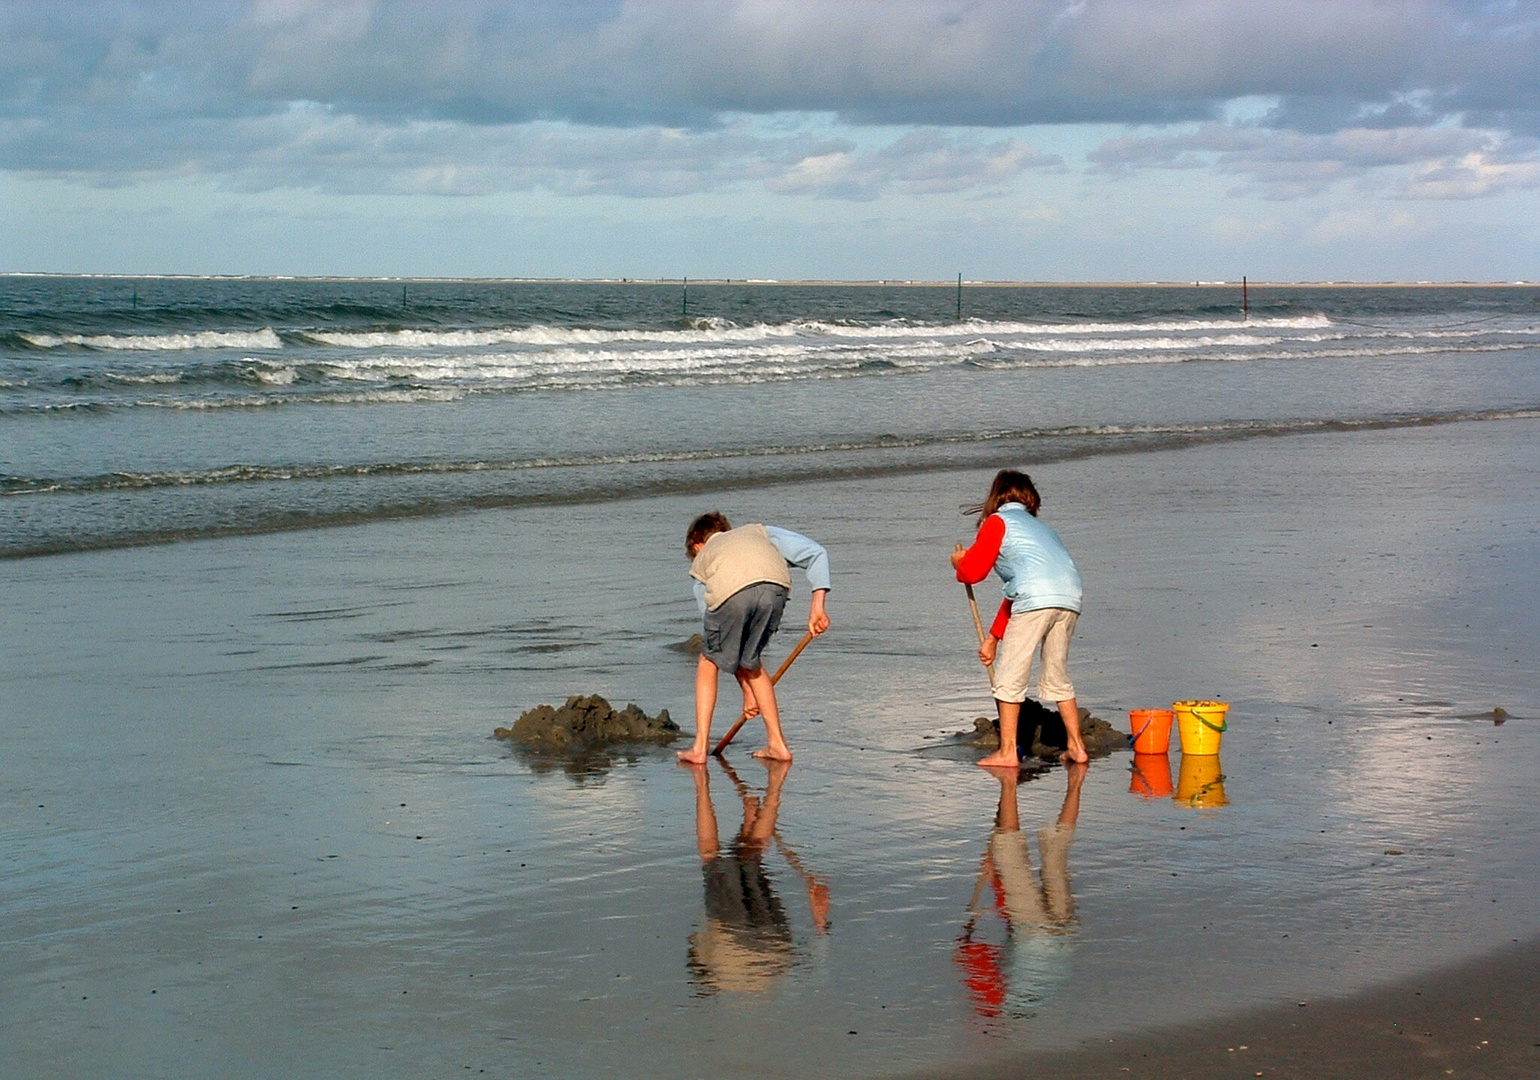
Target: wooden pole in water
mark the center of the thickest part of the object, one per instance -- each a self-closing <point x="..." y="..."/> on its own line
<point x="403" y="297"/>
<point x="685" y="309"/>
<point x="959" y="298"/>
<point x="136" y="297"/>
<point x="744" y="718"/>
<point x="1245" y="299"/>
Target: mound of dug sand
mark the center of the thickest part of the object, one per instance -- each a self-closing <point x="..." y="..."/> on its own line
<point x="690" y="646"/>
<point x="1041" y="733"/>
<point x="585" y="724"/>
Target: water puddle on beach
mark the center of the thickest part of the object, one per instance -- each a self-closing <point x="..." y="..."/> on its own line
<point x="257" y="823"/>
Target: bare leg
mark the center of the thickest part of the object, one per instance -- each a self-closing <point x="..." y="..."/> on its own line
<point x="1058" y="901"/>
<point x="759" y="684"/>
<point x="759" y="816"/>
<point x="1006" y="756"/>
<point x="1075" y="750"/>
<point x="1007" y="818"/>
<point x="705" y="816"/>
<point x="705" y="705"/>
<point x="750" y="706"/>
<point x="1069" y="813"/>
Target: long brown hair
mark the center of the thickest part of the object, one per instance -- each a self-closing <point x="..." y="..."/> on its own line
<point x="1010" y="486"/>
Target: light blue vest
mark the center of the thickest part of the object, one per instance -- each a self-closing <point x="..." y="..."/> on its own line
<point x="1033" y="563"/>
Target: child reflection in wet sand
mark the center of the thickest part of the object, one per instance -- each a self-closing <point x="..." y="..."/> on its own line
<point x="1039" y="918"/>
<point x="747" y="940"/>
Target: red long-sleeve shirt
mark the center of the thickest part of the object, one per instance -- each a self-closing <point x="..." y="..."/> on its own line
<point x="980" y="559"/>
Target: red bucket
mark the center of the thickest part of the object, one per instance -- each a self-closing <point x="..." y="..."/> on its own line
<point x="1151" y="729"/>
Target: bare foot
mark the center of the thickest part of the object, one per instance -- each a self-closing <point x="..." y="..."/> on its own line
<point x="694" y="756"/>
<point x="1001" y="759"/>
<point x="776" y="768"/>
<point x="774" y="753"/>
<point x="1075" y="755"/>
<point x="818" y="900"/>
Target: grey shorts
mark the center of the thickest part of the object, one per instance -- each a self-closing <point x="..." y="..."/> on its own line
<point x="739" y="629"/>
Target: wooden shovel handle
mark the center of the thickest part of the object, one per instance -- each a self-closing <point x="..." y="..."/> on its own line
<point x="744" y="718"/>
<point x="978" y="624"/>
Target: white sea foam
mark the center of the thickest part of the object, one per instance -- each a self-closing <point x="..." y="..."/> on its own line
<point x="368" y="397"/>
<point x="575" y="366"/>
<point x="265" y="338"/>
<point x="144" y="378"/>
<point x="724" y="331"/>
<point x="1154" y="344"/>
<point x="568" y="362"/>
<point x="1183" y="357"/>
<point x="428" y="365"/>
<point x="270" y="372"/>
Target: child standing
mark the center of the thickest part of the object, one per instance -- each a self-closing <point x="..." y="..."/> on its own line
<point x="1042" y="602"/>
<point x="741" y="586"/>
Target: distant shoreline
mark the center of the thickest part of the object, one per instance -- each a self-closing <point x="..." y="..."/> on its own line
<point x="895" y="283"/>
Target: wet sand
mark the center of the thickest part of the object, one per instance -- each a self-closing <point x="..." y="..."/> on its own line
<point x="1477" y="1020"/>
<point x="257" y="823"/>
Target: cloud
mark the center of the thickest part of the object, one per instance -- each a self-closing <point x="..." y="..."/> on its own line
<point x="1475" y="175"/>
<point x="684" y="62"/>
<point x="655" y="97"/>
<point x="309" y="146"/>
<point x="1360" y="225"/>
<point x="687" y="62"/>
<point x="1407" y="162"/>
<point x="922" y="162"/>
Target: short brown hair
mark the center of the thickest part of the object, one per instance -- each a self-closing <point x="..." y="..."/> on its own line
<point x="704" y="528"/>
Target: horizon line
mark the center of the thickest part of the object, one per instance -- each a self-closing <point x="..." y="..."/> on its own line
<point x="828" y="282"/>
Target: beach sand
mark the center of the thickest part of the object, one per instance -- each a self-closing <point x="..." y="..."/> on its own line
<point x="1478" y="1019"/>
<point x="257" y="824"/>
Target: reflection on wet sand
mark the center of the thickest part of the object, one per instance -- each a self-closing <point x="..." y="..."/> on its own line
<point x="746" y="941"/>
<point x="1149" y="777"/>
<point x="1007" y="979"/>
<point x="1201" y="784"/>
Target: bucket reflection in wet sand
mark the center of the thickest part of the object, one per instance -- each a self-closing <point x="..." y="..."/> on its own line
<point x="745" y="942"/>
<point x="1149" y="776"/>
<point x="1009" y="978"/>
<point x="1201" y="784"/>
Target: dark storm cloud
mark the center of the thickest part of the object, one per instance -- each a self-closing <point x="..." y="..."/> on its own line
<point x="290" y="91"/>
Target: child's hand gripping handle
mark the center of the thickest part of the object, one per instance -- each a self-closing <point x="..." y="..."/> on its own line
<point x="744" y="718"/>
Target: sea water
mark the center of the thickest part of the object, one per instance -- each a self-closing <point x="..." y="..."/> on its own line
<point x="283" y="554"/>
<point x="140" y="410"/>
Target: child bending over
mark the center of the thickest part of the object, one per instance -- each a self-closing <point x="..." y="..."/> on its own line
<point x="1042" y="602"/>
<point x="741" y="586"/>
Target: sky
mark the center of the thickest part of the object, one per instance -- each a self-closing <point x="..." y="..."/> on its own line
<point x="1102" y="140"/>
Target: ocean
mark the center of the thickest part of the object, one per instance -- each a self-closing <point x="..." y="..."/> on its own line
<point x="143" y="410"/>
<point x="280" y="555"/>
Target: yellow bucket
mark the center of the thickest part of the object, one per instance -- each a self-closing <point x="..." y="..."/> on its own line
<point x="1200" y="784"/>
<point x="1201" y="723"/>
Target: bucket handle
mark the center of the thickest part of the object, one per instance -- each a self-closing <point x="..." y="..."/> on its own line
<point x="1223" y="726"/>
<point x="1141" y="731"/>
